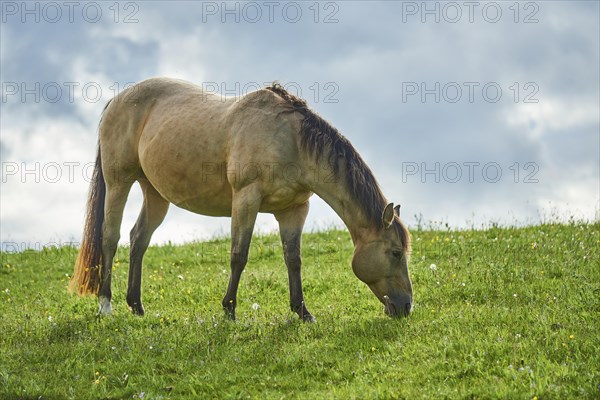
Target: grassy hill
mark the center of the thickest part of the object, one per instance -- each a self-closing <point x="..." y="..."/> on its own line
<point x="502" y="313"/>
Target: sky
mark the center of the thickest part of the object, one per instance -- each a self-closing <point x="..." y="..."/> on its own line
<point x="468" y="113"/>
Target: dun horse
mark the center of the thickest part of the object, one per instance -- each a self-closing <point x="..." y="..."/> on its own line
<point x="212" y="155"/>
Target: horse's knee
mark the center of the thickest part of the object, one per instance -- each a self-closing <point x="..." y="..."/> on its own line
<point x="110" y="240"/>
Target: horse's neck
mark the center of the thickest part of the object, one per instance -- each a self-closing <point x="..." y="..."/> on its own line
<point x="334" y="191"/>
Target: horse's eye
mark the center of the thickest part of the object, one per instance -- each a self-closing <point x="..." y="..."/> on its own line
<point x="397" y="254"/>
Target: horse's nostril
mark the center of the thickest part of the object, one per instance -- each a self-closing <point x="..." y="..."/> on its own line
<point x="407" y="308"/>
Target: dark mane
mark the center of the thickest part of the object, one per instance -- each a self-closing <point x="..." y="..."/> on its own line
<point x="321" y="139"/>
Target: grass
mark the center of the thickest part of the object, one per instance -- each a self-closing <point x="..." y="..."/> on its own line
<point x="505" y="313"/>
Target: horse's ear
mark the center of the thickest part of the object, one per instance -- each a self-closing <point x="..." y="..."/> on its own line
<point x="397" y="210"/>
<point x="388" y="215"/>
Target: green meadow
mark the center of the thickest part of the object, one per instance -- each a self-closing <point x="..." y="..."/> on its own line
<point x="500" y="313"/>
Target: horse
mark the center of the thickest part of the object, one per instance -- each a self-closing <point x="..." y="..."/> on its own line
<point x="265" y="151"/>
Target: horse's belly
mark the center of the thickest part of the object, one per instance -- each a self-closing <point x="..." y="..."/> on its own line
<point x="215" y="205"/>
<point x="206" y="198"/>
<point x="184" y="175"/>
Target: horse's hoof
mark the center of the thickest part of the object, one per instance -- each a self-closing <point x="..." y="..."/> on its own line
<point x="137" y="309"/>
<point x="229" y="308"/>
<point x="309" y="318"/>
<point x="104" y="307"/>
<point x="229" y="314"/>
<point x="303" y="313"/>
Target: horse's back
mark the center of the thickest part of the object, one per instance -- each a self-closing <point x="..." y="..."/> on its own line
<point x="196" y="148"/>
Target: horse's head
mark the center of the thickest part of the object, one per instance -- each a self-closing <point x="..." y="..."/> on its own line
<point x="382" y="263"/>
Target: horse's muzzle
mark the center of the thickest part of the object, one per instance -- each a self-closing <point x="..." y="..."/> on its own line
<point x="397" y="306"/>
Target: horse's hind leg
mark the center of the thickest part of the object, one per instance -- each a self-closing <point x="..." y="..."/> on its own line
<point x="153" y="213"/>
<point x="291" y="222"/>
<point x="116" y="196"/>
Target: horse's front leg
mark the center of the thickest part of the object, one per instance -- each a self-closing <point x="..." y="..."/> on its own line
<point x="291" y="222"/>
<point x="245" y="206"/>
